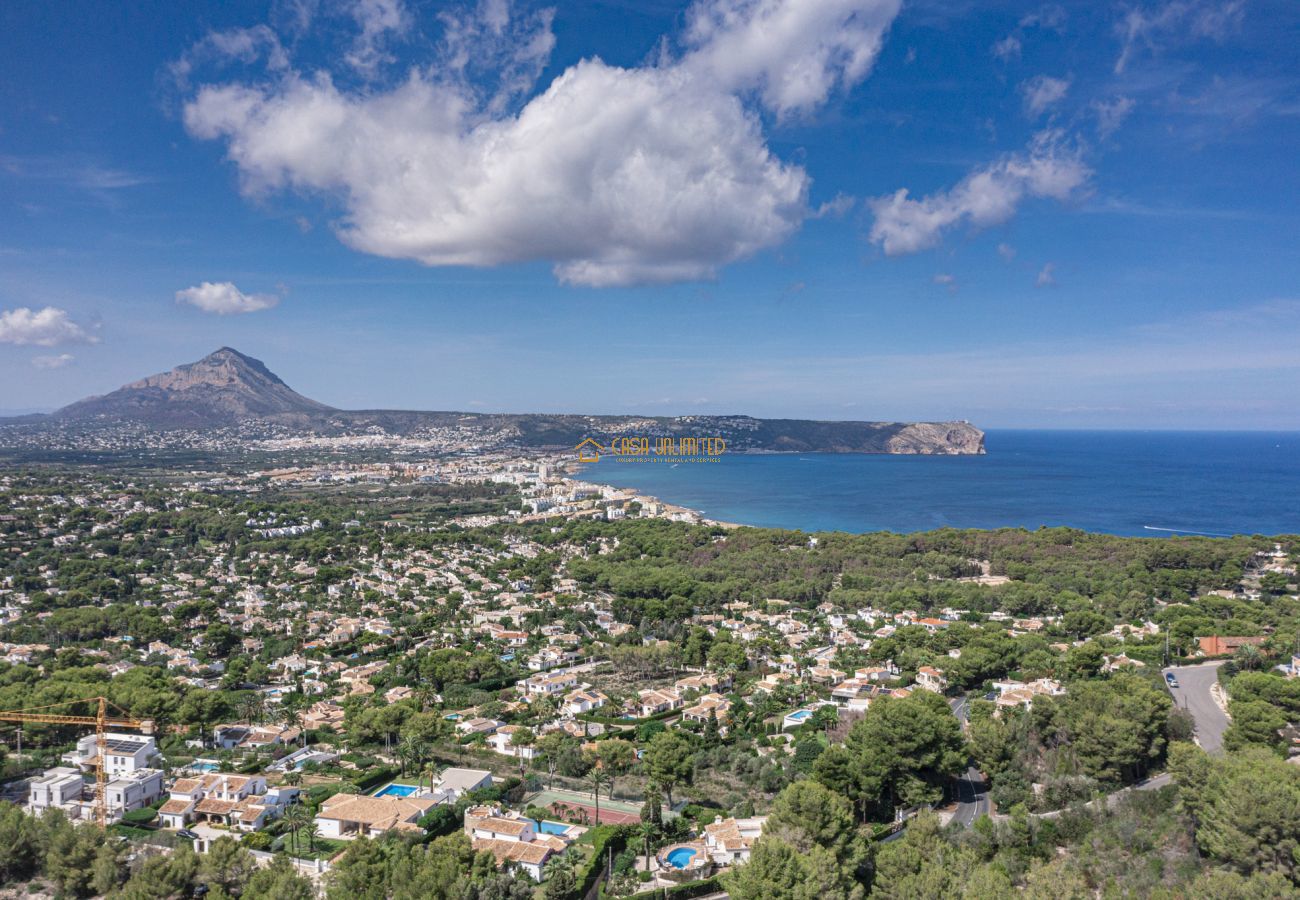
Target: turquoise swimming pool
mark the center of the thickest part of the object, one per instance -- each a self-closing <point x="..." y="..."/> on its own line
<point x="396" y="790"/>
<point x="549" y="827"/>
<point x="681" y="857"/>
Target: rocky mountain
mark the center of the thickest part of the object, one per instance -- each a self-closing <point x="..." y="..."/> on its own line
<point x="223" y="388"/>
<point x="228" y="390"/>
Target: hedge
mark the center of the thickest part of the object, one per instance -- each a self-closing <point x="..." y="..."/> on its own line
<point x="497" y="683"/>
<point x="375" y="777"/>
<point x="604" y="838"/>
<point x="142" y="816"/>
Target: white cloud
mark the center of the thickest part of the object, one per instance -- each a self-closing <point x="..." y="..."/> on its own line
<point x="242" y="45"/>
<point x="1043" y="92"/>
<point x="835" y="208"/>
<point x="53" y="361"/>
<point x="1046" y="276"/>
<point x="46" y="327"/>
<point x="224" y="299"/>
<point x="1111" y="114"/>
<point x="1006" y="251"/>
<point x="987" y="196"/>
<point x="378" y="20"/>
<point x="589" y="174"/>
<point x="493" y="53"/>
<point x="1008" y="48"/>
<point x="1051" y="16"/>
<point x="792" y="52"/>
<point x="946" y="280"/>
<point x="1177" y="20"/>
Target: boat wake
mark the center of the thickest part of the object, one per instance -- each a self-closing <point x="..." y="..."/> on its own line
<point x="1185" y="531"/>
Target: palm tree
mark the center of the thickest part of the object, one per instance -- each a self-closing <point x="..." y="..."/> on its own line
<point x="598" y="779"/>
<point x="251" y="706"/>
<point x="410" y="750"/>
<point x="293" y="778"/>
<point x="312" y="833"/>
<point x="648" y="830"/>
<point x="559" y="876"/>
<point x="296" y="818"/>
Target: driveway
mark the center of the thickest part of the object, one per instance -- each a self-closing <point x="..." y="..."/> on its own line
<point x="1193" y="695"/>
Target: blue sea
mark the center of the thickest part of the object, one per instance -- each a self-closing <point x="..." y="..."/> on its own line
<point x="1129" y="483"/>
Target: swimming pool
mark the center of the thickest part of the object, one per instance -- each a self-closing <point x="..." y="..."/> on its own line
<point x="549" y="827"/>
<point x="681" y="857"/>
<point x="396" y="790"/>
<point x="800" y="715"/>
<point x="204" y="765"/>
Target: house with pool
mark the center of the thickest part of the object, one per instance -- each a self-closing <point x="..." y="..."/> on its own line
<point x="515" y="840"/>
<point x="349" y="816"/>
<point x="723" y="842"/>
<point x="729" y="841"/>
<point x="799" y="716"/>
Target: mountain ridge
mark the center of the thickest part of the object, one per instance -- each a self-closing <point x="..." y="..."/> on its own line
<point x="227" y="388"/>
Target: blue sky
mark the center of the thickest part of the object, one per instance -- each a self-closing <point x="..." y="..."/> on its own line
<point x="1026" y="215"/>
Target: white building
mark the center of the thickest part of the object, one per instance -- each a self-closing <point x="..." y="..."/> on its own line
<point x="240" y="802"/>
<point x="503" y="742"/>
<point x="57" y="788"/>
<point x="729" y="841"/>
<point x="122" y="753"/>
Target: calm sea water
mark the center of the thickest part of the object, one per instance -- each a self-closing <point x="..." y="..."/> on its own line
<point x="1133" y="483"/>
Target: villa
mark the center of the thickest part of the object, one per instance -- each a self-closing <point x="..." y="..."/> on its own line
<point x="453" y="783"/>
<point x="503" y="742"/>
<point x="253" y="737"/>
<point x="582" y="700"/>
<point x="515" y="840"/>
<point x="547" y="685"/>
<point x="350" y="816"/>
<point x="710" y="706"/>
<point x="241" y="802"/>
<point x="729" y="841"/>
<point x="931" y="679"/>
<point x="652" y="702"/>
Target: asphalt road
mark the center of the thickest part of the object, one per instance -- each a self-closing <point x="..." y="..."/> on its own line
<point x="972" y="798"/>
<point x="1193" y="695"/>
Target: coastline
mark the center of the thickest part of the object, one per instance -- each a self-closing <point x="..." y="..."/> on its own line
<point x="670" y="511"/>
<point x="1135" y="484"/>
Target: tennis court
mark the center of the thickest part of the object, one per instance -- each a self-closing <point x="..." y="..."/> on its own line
<point x="565" y="810"/>
<point x="612" y="812"/>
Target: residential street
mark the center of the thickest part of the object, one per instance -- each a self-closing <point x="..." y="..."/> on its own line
<point x="973" y="798"/>
<point x="1193" y="694"/>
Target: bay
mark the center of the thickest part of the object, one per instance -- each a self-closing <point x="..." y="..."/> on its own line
<point x="1127" y="483"/>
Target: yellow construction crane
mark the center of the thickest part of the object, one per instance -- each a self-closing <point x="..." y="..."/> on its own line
<point x="101" y="721"/>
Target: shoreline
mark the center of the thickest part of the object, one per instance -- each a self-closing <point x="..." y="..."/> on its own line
<point x="571" y="469"/>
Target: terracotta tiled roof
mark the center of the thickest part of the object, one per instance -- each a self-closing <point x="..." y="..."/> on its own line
<point x="498" y="825"/>
<point x="533" y="852"/>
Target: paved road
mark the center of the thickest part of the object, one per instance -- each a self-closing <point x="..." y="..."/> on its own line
<point x="972" y="798"/>
<point x="1193" y="695"/>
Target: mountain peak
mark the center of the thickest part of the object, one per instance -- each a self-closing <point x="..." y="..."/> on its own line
<point x="223" y="387"/>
